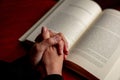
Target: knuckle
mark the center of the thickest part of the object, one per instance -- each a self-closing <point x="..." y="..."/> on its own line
<point x="61" y="34"/>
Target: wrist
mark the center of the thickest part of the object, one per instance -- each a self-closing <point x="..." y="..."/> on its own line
<point x="53" y="70"/>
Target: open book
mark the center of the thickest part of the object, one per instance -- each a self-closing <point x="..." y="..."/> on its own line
<point x="93" y="36"/>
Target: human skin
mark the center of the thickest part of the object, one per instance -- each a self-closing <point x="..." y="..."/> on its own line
<point x="52" y="56"/>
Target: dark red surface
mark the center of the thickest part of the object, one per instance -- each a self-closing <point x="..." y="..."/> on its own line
<point x="17" y="16"/>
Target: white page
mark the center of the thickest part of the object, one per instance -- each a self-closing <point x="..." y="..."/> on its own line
<point x="98" y="49"/>
<point x="114" y="74"/>
<point x="71" y="18"/>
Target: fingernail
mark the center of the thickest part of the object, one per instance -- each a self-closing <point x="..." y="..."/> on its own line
<point x="45" y="29"/>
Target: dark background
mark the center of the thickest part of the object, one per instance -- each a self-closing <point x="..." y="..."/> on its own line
<point x="17" y="16"/>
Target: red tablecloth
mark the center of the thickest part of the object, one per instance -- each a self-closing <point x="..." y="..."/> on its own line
<point x="17" y="16"/>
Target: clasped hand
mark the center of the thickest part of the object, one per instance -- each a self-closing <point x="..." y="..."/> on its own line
<point x="52" y="49"/>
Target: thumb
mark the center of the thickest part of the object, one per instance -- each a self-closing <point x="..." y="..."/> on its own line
<point x="42" y="46"/>
<point x="45" y="33"/>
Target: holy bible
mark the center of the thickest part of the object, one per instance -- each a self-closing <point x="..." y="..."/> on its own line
<point x="93" y="35"/>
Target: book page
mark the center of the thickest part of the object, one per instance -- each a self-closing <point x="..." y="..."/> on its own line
<point x="71" y="18"/>
<point x="99" y="48"/>
<point x="114" y="74"/>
